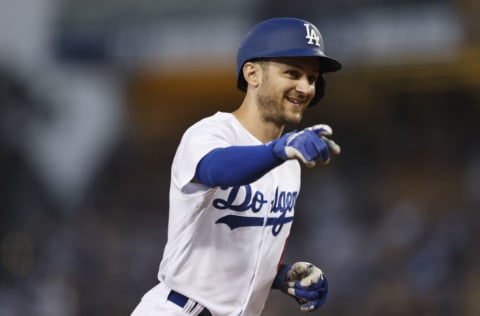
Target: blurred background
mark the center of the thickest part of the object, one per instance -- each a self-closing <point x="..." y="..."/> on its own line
<point x="95" y="95"/>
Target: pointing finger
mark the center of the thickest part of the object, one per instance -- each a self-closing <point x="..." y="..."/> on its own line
<point x="321" y="129"/>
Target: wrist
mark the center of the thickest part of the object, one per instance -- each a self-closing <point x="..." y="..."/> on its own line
<point x="278" y="147"/>
<point x="280" y="281"/>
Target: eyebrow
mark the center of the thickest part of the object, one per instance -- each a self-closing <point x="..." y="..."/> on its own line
<point x="296" y="65"/>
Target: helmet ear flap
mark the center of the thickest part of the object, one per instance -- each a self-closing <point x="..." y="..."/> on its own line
<point x="319" y="90"/>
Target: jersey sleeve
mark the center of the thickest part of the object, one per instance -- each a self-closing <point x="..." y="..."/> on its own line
<point x="196" y="142"/>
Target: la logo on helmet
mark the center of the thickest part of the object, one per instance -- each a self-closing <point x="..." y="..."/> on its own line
<point x="312" y="34"/>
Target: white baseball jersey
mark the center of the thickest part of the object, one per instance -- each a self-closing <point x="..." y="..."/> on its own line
<point x="225" y="243"/>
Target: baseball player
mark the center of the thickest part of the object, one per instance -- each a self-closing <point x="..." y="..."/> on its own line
<point x="235" y="179"/>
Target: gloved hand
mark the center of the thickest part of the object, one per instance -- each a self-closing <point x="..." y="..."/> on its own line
<point x="305" y="282"/>
<point x="307" y="145"/>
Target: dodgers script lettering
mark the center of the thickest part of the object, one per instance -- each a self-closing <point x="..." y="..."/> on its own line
<point x="283" y="202"/>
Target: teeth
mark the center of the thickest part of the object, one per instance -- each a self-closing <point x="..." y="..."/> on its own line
<point x="295" y="101"/>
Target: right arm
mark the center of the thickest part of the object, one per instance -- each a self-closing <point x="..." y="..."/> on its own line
<point x="240" y="165"/>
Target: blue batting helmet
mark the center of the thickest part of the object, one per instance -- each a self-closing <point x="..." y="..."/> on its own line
<point x="285" y="37"/>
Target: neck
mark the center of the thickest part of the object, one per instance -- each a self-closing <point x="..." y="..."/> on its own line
<point x="249" y="116"/>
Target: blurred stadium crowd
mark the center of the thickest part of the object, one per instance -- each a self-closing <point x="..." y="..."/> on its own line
<point x="394" y="221"/>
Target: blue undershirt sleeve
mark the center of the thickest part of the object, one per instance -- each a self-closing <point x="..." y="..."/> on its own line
<point x="236" y="165"/>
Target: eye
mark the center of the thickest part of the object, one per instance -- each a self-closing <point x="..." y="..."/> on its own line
<point x="293" y="73"/>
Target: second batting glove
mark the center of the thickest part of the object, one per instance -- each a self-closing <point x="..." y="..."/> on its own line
<point x="308" y="145"/>
<point x="305" y="282"/>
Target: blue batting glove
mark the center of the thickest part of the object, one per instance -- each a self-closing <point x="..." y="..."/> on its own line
<point x="306" y="283"/>
<point x="311" y="297"/>
<point x="308" y="145"/>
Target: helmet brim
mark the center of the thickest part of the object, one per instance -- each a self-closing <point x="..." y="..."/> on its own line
<point x="326" y="63"/>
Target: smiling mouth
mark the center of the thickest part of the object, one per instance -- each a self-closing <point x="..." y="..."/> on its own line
<point x="296" y="101"/>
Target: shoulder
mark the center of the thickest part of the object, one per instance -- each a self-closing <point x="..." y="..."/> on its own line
<point x="217" y="119"/>
<point x="214" y="130"/>
<point x="220" y="122"/>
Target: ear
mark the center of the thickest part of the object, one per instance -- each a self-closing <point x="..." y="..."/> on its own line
<point x="252" y="73"/>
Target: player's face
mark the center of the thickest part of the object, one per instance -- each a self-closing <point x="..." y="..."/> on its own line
<point x="286" y="89"/>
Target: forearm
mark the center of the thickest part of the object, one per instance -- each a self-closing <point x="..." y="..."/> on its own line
<point x="236" y="165"/>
